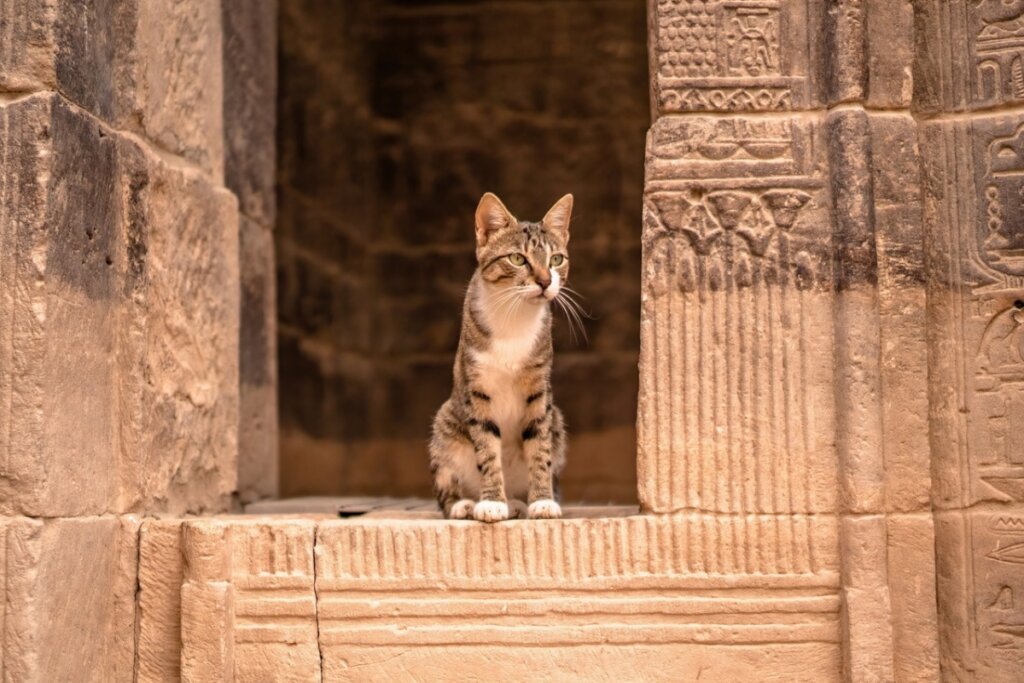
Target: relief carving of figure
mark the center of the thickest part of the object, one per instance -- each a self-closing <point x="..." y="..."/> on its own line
<point x="753" y="43"/>
<point x="1002" y="345"/>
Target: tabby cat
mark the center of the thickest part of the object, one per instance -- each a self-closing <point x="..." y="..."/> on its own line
<point x="499" y="441"/>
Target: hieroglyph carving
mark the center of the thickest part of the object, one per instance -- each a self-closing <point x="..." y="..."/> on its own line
<point x="997" y="51"/>
<point x="977" y="299"/>
<point x="722" y="55"/>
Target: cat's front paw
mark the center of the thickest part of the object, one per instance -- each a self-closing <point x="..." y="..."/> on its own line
<point x="490" y="511"/>
<point x="462" y="509"/>
<point x="545" y="509"/>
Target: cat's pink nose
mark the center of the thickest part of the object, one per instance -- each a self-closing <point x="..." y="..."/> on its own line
<point x="544" y="282"/>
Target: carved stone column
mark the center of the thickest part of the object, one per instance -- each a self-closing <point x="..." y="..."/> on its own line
<point x="969" y="82"/>
<point x="783" y="357"/>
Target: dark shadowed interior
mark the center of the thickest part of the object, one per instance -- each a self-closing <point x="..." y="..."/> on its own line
<point x="394" y="117"/>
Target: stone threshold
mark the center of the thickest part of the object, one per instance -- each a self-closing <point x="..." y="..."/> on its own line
<point x="305" y="595"/>
<point x="400" y="508"/>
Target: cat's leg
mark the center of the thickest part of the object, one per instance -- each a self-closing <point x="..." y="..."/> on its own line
<point x="452" y="464"/>
<point x="537" y="448"/>
<point x="559" y="448"/>
<point x="486" y="438"/>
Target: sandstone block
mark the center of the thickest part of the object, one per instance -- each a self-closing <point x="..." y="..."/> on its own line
<point x="985" y="69"/>
<point x="726" y="57"/>
<point x="275" y="616"/>
<point x="58" y="227"/>
<point x="150" y="67"/>
<point x="902" y="304"/>
<point x="868" y="646"/>
<point x="27" y="47"/>
<point x="257" y="361"/>
<point x="974" y="229"/>
<point x="207" y="603"/>
<point x="234" y="600"/>
<point x="737" y="331"/>
<point x="179" y="344"/>
<point x="911" y="572"/>
<point x="394" y="596"/>
<point x="123" y="394"/>
<point x="889" y="31"/>
<point x="857" y="326"/>
<point x="161" y="571"/>
<point x="868" y="49"/>
<point x="69" y="587"/>
<point x="979" y="589"/>
<point x="250" y="89"/>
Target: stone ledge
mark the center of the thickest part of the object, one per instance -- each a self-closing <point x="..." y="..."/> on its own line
<point x="266" y="596"/>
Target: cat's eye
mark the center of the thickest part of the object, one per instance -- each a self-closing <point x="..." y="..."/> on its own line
<point x="557" y="260"/>
<point x="517" y="259"/>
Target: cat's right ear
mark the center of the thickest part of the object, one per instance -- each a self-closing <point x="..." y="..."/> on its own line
<point x="491" y="216"/>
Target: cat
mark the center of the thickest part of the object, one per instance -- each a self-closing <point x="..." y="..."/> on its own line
<point x="499" y="440"/>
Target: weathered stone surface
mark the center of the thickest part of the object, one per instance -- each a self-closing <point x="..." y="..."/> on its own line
<point x="972" y="216"/>
<point x="711" y="56"/>
<point x="207" y="603"/>
<point x="967" y="55"/>
<point x="69" y="590"/>
<point x="150" y="67"/>
<point x="736" y="366"/>
<point x="257" y="365"/>
<point x="519" y="588"/>
<point x="910" y="557"/>
<point x="179" y="344"/>
<point x="236" y="600"/>
<point x="902" y="311"/>
<point x="867" y="610"/>
<point x="161" y="571"/>
<point x="250" y="90"/>
<point x="26" y="46"/>
<point x="116" y="347"/>
<point x="59" y="231"/>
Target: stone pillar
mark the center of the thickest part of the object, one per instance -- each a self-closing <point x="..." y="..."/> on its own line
<point x="250" y="87"/>
<point x="119" y="309"/>
<point x="969" y="88"/>
<point x="783" y="358"/>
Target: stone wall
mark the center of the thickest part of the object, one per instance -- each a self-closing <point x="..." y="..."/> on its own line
<point x="395" y="118"/>
<point x="124" y="186"/>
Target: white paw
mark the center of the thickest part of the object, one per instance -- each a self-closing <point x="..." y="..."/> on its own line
<point x="516" y="509"/>
<point x="490" y="511"/>
<point x="462" y="509"/>
<point x="545" y="509"/>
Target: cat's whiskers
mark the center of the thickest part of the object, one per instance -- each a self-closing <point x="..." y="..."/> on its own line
<point x="507" y="303"/>
<point x="573" y="311"/>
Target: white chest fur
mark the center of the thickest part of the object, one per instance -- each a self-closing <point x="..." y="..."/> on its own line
<point x="499" y="366"/>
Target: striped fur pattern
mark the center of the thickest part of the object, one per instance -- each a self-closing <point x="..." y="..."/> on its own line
<point x="498" y="444"/>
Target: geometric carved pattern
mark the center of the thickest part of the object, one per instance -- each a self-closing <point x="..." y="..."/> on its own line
<point x="734" y="410"/>
<point x="639" y="581"/>
<point x="360" y="599"/>
<point x="724" y="55"/>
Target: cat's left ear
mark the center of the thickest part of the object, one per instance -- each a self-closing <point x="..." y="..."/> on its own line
<point x="558" y="217"/>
